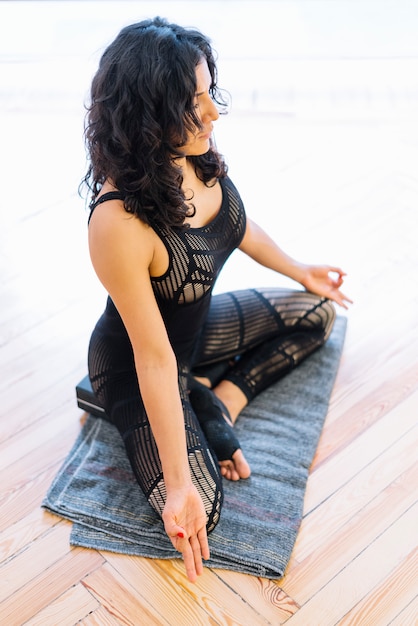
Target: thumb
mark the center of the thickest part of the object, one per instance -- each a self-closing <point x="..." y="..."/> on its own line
<point x="178" y="538"/>
<point x="174" y="530"/>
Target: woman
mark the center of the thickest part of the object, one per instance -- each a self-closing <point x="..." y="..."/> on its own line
<point x="172" y="365"/>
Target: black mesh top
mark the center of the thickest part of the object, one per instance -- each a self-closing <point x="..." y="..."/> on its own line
<point x="196" y="256"/>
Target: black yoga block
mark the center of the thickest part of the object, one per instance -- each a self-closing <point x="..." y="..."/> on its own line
<point x="86" y="400"/>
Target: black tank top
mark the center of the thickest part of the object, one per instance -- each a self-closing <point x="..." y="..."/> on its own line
<point x="196" y="256"/>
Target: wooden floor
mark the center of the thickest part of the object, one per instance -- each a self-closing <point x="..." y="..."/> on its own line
<point x="333" y="174"/>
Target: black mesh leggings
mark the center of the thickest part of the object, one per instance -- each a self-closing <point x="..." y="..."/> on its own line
<point x="255" y="336"/>
<point x="251" y="338"/>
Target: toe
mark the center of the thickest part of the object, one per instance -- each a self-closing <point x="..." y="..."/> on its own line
<point x="241" y="465"/>
<point x="236" y="468"/>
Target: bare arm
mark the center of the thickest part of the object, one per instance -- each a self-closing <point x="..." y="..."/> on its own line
<point x="316" y="278"/>
<point x="122" y="249"/>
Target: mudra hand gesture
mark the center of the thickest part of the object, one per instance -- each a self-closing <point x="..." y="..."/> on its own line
<point x="184" y="520"/>
<point x="326" y="280"/>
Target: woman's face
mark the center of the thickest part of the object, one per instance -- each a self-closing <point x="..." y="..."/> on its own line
<point x="199" y="142"/>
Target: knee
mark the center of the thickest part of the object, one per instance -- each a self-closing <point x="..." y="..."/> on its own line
<point x="212" y="494"/>
<point x="328" y="315"/>
<point x="213" y="511"/>
<point x="206" y="477"/>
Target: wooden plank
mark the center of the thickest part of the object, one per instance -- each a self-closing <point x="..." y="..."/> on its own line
<point x="20" y="390"/>
<point x="22" y="353"/>
<point x="28" y="441"/>
<point x="99" y="617"/>
<point x="48" y="403"/>
<point x="409" y="615"/>
<point x="121" y="599"/>
<point x="265" y="596"/>
<point x="43" y="373"/>
<point x="360" y="415"/>
<point x="28" y="320"/>
<point x="333" y="474"/>
<point x="29" y="563"/>
<point x="360" y="576"/>
<point x="386" y="600"/>
<point x="350" y="539"/>
<point x="67" y="609"/>
<point x="47" y="454"/>
<point x="14" y="538"/>
<point x="22" y="328"/>
<point x="363" y="488"/>
<point x="357" y="380"/>
<point x="19" y="503"/>
<point x="50" y="583"/>
<point x="164" y="584"/>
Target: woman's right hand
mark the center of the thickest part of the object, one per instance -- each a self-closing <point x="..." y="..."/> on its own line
<point x="184" y="520"/>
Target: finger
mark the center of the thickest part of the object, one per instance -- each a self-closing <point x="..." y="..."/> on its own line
<point x="336" y="296"/>
<point x="336" y="280"/>
<point x="341" y="299"/>
<point x="188" y="559"/>
<point x="181" y="543"/>
<point x="175" y="534"/>
<point x="197" y="554"/>
<point x="202" y="536"/>
<point x="192" y="551"/>
<point x="346" y="298"/>
<point x="335" y="284"/>
<point x="337" y="270"/>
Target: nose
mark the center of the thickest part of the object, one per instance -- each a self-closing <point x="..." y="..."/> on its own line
<point x="214" y="112"/>
<point x="210" y="112"/>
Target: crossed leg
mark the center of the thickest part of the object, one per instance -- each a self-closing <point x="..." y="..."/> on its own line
<point x="251" y="339"/>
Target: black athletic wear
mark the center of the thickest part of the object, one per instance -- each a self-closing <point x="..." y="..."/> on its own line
<point x="250" y="337"/>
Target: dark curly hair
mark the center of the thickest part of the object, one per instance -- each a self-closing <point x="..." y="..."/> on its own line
<point x="141" y="109"/>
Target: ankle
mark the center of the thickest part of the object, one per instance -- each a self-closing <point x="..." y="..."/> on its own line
<point x="232" y="396"/>
<point x="203" y="381"/>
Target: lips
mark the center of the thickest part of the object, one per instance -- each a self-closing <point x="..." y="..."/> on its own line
<point x="205" y="135"/>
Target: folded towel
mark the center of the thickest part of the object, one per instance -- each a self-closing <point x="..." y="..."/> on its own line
<point x="278" y="431"/>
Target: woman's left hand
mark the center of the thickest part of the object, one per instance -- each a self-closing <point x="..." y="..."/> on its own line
<point x="325" y="281"/>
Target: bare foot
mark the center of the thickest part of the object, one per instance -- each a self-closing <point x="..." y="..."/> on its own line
<point x="234" y="400"/>
<point x="235" y="468"/>
<point x="216" y="423"/>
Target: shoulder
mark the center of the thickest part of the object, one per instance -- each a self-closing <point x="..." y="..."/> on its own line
<point x="232" y="192"/>
<point x="227" y="183"/>
<point x="122" y="251"/>
<point x="235" y="204"/>
<point x="116" y="236"/>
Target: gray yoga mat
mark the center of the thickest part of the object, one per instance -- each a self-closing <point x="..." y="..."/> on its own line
<point x="279" y="431"/>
